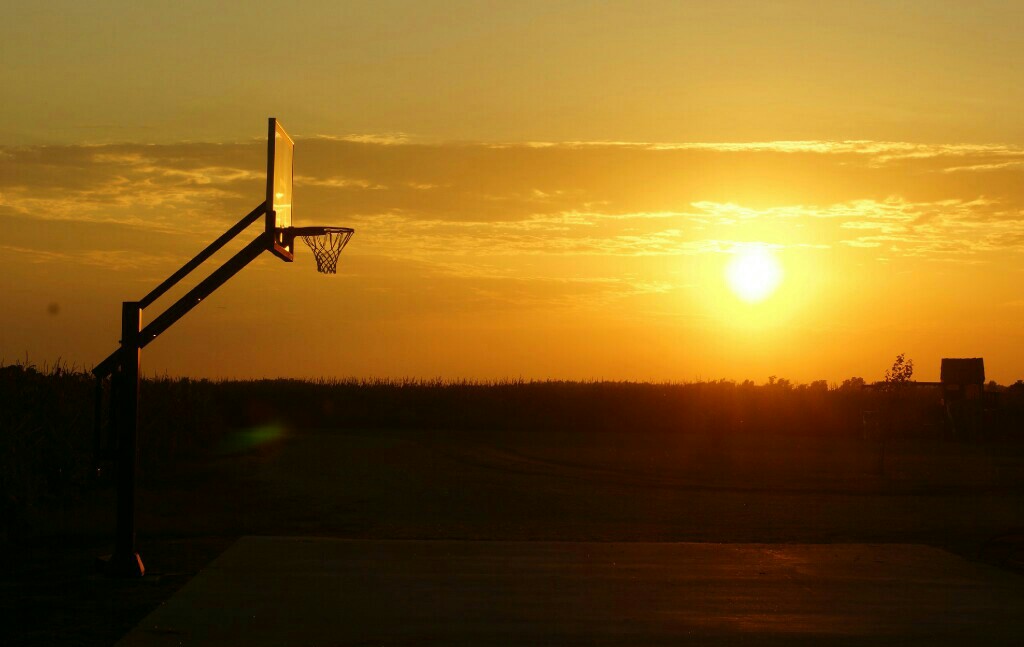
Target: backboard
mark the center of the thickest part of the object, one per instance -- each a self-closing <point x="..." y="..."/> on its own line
<point x="280" y="149"/>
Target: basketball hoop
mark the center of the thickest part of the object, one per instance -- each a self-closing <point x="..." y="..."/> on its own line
<point x="326" y="243"/>
<point x="123" y="365"/>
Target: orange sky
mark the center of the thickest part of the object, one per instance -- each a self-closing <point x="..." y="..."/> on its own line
<point x="539" y="190"/>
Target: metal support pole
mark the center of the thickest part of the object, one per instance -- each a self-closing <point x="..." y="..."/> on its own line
<point x="97" y="428"/>
<point x="123" y="365"/>
<point x="125" y="562"/>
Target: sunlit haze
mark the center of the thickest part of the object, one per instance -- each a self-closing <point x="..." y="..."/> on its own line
<point x="621" y="191"/>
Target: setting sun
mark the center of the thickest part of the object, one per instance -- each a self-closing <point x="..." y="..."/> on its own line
<point x="753" y="274"/>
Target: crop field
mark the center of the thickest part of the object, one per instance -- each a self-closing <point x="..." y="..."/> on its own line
<point x="708" y="462"/>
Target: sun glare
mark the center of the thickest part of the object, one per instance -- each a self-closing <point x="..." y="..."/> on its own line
<point x="754" y="274"/>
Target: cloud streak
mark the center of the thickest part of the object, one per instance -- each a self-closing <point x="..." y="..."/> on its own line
<point x="431" y="201"/>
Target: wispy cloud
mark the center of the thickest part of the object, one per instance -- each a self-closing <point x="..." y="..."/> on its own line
<point x="888" y="151"/>
<point x="433" y="202"/>
<point x="381" y="139"/>
<point x="117" y="261"/>
<point x="334" y="182"/>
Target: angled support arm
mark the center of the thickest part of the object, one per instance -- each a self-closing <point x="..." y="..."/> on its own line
<point x="210" y="250"/>
<point x="199" y="292"/>
<point x="205" y="288"/>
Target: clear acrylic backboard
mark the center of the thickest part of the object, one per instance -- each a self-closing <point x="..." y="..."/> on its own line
<point x="280" y="149"/>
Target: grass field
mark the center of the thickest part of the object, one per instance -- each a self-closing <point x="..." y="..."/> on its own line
<point x="418" y="461"/>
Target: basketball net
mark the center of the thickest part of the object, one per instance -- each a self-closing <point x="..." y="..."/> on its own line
<point x="327" y="247"/>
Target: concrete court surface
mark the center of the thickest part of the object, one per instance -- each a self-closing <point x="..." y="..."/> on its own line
<point x="321" y="591"/>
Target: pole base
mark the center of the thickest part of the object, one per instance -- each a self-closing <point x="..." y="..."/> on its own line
<point x="124" y="565"/>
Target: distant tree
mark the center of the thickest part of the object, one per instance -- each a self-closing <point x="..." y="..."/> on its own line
<point x="899" y="373"/>
<point x="852" y="384"/>
<point x="894" y="413"/>
<point x="818" y="385"/>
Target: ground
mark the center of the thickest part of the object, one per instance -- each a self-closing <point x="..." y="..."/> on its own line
<point x="569" y="486"/>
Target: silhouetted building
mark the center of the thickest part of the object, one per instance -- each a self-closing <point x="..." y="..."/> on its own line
<point x="963" y="393"/>
<point x="963" y="378"/>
